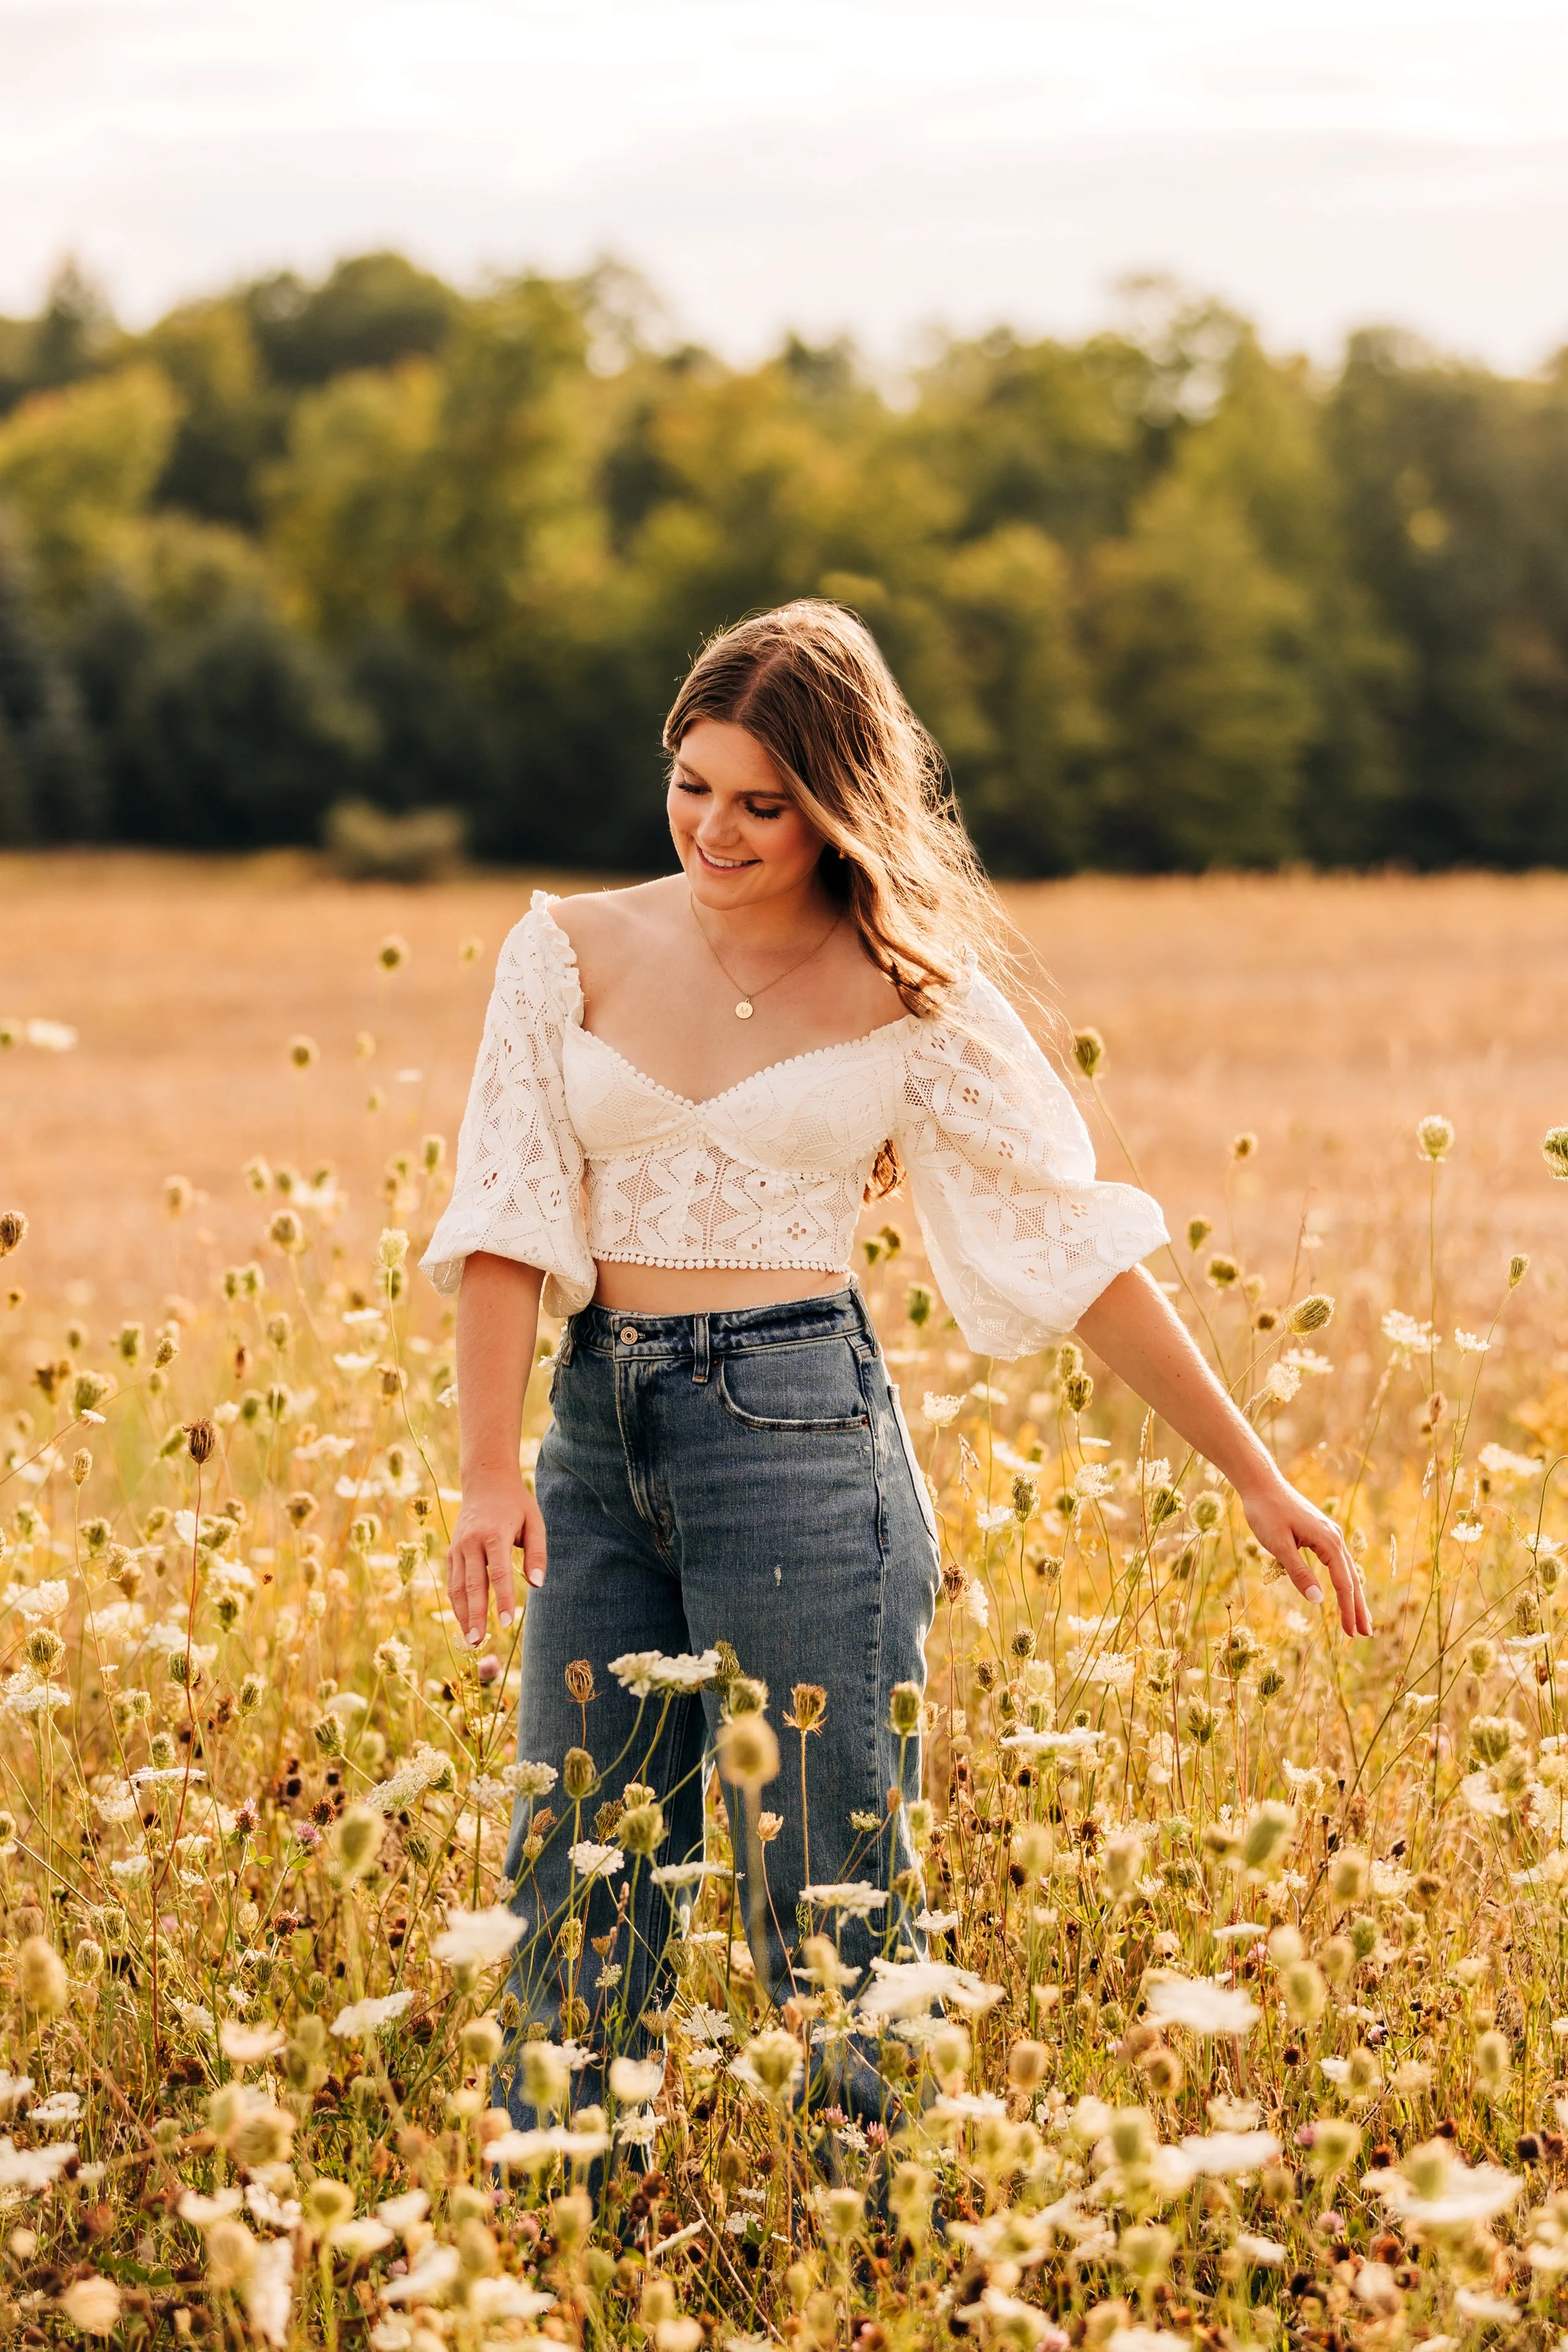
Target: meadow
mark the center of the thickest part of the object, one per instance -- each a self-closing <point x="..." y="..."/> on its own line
<point x="1245" y="2018"/>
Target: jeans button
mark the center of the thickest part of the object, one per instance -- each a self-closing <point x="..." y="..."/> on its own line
<point x="629" y="1334"/>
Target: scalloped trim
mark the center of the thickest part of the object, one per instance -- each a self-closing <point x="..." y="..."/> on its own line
<point x="559" y="957"/>
<point x="726" y="1265"/>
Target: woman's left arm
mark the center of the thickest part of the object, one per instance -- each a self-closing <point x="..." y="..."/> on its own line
<point x="1132" y="1327"/>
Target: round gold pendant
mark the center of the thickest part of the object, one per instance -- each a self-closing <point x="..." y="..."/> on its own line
<point x="744" y="1009"/>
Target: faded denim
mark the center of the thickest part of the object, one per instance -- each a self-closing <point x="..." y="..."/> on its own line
<point x="744" y="1478"/>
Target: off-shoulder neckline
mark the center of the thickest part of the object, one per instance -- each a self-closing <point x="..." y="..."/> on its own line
<point x="541" y="903"/>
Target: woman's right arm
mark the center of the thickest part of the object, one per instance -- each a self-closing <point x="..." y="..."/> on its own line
<point x="498" y="1324"/>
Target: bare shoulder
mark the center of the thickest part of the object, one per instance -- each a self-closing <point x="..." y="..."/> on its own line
<point x="608" y="928"/>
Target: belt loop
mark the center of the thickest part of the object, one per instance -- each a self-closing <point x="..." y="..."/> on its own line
<point x="564" y="1345"/>
<point x="701" y="1355"/>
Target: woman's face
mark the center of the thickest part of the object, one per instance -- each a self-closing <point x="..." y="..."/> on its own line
<point x="736" y="831"/>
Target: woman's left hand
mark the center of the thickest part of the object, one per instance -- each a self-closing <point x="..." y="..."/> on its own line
<point x="1289" y="1528"/>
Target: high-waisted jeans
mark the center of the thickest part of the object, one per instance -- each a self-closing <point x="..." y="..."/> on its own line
<point x="740" y="1477"/>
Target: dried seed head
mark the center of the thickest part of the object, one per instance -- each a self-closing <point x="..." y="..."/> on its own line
<point x="641" y="1830"/>
<point x="179" y="1193"/>
<point x="1242" y="1147"/>
<point x="1313" y="1313"/>
<point x="357" y="1839"/>
<point x="287" y="1232"/>
<point x="1077" y="1390"/>
<point x="904" y="1709"/>
<point x="303" y="1051"/>
<point x="1198" y="1231"/>
<point x="748" y="1751"/>
<point x="808" y="1707"/>
<point x="13" y="1231"/>
<point x="1435" y="1137"/>
<point x="1088" y="1052"/>
<point x="1350" y="1876"/>
<point x="1518" y="1267"/>
<point x="1223" y="1271"/>
<point x="580" y="1680"/>
<point x="43" y="1649"/>
<point x="578" y="1777"/>
<point x="201" y="1439"/>
<point x="41" y="1977"/>
<point x="918" y="1305"/>
<point x="81" y="1466"/>
<point x="745" y="1694"/>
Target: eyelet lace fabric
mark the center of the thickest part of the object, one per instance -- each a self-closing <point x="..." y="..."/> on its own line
<point x="569" y="1155"/>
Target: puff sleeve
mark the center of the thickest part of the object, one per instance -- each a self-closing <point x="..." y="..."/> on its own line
<point x="518" y="1192"/>
<point x="1021" y="1236"/>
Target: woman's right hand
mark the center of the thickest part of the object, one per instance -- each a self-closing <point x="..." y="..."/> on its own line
<point x="497" y="1518"/>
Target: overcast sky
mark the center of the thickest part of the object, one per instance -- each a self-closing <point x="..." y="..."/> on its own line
<point x="875" y="166"/>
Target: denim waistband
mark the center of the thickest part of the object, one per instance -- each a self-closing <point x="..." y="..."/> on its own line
<point x="721" y="1331"/>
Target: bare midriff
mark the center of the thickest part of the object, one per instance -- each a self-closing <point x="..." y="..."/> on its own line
<point x="708" y="1289"/>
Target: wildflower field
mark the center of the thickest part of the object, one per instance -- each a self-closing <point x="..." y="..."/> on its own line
<point x="1245" y="2012"/>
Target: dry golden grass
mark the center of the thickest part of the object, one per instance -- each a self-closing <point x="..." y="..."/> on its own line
<point x="1325" y="1015"/>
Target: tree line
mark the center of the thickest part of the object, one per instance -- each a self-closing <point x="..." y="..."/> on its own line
<point x="1166" y="600"/>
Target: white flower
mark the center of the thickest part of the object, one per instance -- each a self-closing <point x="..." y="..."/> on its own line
<point x="201" y="2211"/>
<point x="643" y="1672"/>
<point x="131" y="1870"/>
<point x="116" y="1804"/>
<point x="267" y="2290"/>
<point x="14" y="2089"/>
<point x="939" y="1411"/>
<point x="1000" y="1515"/>
<point x="936" y="1923"/>
<point x="50" y="1037"/>
<point x="531" y="2151"/>
<point x="636" y="2081"/>
<point x="1482" y="1797"/>
<point x="637" y="2127"/>
<point x="977" y="1603"/>
<point x="246" y="2045"/>
<point x="403" y="2213"/>
<point x="526" y="1780"/>
<point x="493" y="2299"/>
<point x="672" y="1876"/>
<point x="354" y="1366"/>
<point x="427" y="1768"/>
<point x="23" y="1696"/>
<point x="1201" y="2007"/>
<point x="1102" y="1669"/>
<point x="1282" y="1382"/>
<point x="1225" y="2154"/>
<point x="1263" y="2253"/>
<point x="363" y="2018"/>
<point x="164" y="1776"/>
<point x="855" y="1898"/>
<point x="481" y="1939"/>
<point x="1003" y="2318"/>
<point x="1074" y="1747"/>
<point x="1499" y="1463"/>
<point x="46" y="1599"/>
<point x="63" y="2107"/>
<point x="907" y="1987"/>
<point x="432" y="2274"/>
<point x="198" y="2016"/>
<point x="272" y="2211"/>
<point x="1407" y="1336"/>
<point x="1453" y="2195"/>
<point x="32" y="2168"/>
<point x="1469" y="1344"/>
<point x="359" y="2238"/>
<point x="592" y="1861"/>
<point x="1092" y="1480"/>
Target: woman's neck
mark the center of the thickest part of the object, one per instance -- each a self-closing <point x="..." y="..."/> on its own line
<point x="766" y="926"/>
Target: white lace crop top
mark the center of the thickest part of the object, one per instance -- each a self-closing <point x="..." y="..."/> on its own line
<point x="568" y="1154"/>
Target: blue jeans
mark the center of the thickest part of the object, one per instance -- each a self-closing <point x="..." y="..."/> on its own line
<point x="740" y="1477"/>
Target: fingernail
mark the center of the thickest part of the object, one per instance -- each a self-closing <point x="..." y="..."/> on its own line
<point x="504" y="1619"/>
<point x="1313" y="1592"/>
<point x="475" y="1637"/>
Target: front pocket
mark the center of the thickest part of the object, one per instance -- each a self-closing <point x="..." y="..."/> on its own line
<point x="810" y="1389"/>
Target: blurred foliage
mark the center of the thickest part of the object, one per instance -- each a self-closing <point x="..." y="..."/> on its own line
<point x="1168" y="602"/>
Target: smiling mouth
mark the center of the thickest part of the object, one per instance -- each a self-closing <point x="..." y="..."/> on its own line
<point x="724" y="865"/>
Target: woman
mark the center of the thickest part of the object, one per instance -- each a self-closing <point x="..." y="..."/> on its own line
<point x="686" y="1091"/>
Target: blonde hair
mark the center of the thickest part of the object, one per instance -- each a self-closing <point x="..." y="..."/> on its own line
<point x="809" y="682"/>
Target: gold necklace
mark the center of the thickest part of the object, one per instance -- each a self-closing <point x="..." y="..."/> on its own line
<point x="747" y="1005"/>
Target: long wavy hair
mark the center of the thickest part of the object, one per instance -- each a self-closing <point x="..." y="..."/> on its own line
<point x="809" y="682"/>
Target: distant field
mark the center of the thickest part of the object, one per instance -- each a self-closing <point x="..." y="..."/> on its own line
<point x="1325" y="1015"/>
